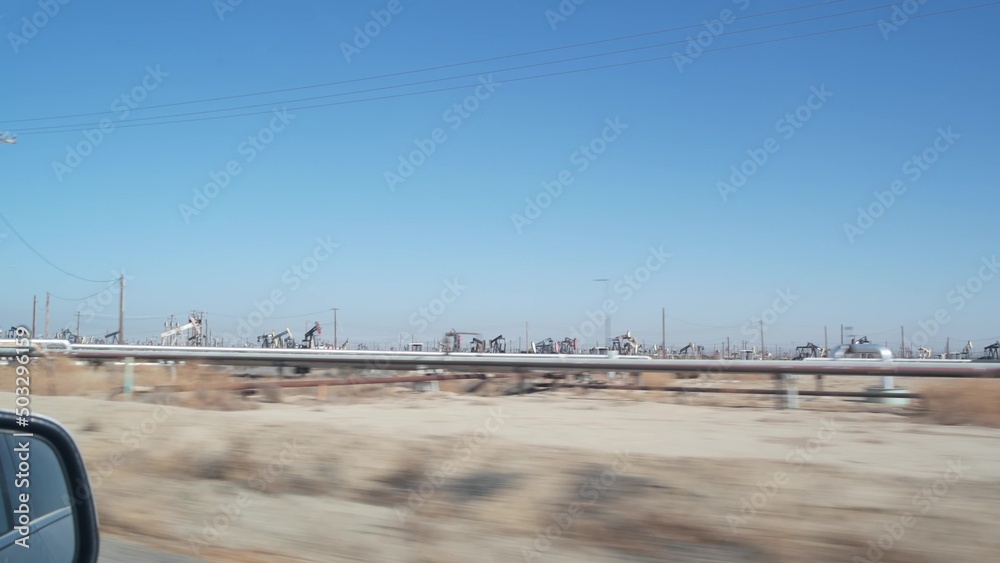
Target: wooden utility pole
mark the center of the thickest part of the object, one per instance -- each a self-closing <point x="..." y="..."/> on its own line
<point x="34" y="312"/>
<point x="527" y="342"/>
<point x="902" y="343"/>
<point x="77" y="327"/>
<point x="826" y="345"/>
<point x="48" y="300"/>
<point x="841" y="335"/>
<point x="121" y="309"/>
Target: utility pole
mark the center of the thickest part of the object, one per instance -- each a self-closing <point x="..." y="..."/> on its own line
<point x="826" y="345"/>
<point x="763" y="350"/>
<point x="841" y="335"/>
<point x="902" y="343"/>
<point x="663" y="343"/>
<point x="48" y="300"/>
<point x="34" y="312"/>
<point x="527" y="341"/>
<point x="336" y="343"/>
<point x="947" y="348"/>
<point x="77" y="326"/>
<point x="121" y="309"/>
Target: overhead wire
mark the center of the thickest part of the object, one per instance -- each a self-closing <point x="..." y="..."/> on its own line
<point x="456" y="77"/>
<point x="43" y="258"/>
<point x="83" y="298"/>
<point x="427" y="69"/>
<point x="170" y="121"/>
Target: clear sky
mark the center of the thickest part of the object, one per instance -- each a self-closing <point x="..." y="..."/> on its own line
<point x="330" y="206"/>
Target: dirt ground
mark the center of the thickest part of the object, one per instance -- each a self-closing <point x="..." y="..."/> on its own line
<point x="468" y="473"/>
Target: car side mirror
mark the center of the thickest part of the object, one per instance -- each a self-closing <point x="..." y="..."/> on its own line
<point x="47" y="510"/>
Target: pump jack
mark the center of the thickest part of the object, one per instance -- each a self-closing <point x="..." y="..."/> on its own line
<point x="498" y="345"/>
<point x="312" y="335"/>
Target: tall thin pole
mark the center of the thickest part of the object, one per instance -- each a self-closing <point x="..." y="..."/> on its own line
<point x="826" y="343"/>
<point x="841" y="335"/>
<point x="78" y="326"/>
<point x="763" y="350"/>
<point x="527" y="342"/>
<point x="336" y="343"/>
<point x="663" y="343"/>
<point x="902" y="343"/>
<point x="34" y="312"/>
<point x="48" y="300"/>
<point x="607" y="318"/>
<point x="121" y="309"/>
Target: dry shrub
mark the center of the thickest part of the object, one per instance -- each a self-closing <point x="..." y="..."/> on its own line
<point x="972" y="402"/>
<point x="659" y="379"/>
<point x="62" y="376"/>
<point x="213" y="400"/>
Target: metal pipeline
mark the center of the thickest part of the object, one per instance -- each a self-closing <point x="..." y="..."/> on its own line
<point x="858" y="349"/>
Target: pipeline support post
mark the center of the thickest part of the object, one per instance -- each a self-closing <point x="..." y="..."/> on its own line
<point x="787" y="382"/>
<point x="129" y="377"/>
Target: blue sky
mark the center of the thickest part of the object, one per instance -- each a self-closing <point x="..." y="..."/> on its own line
<point x="773" y="248"/>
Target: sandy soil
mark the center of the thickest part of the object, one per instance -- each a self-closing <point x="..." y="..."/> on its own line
<point x="390" y="475"/>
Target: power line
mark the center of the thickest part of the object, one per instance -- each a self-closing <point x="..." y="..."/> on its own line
<point x="61" y="128"/>
<point x="84" y="298"/>
<point x="44" y="259"/>
<point x="428" y="69"/>
<point x="127" y="123"/>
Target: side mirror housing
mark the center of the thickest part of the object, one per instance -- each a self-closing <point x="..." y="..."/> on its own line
<point x="47" y="508"/>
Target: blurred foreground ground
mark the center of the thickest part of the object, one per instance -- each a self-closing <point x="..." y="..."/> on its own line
<point x="386" y="474"/>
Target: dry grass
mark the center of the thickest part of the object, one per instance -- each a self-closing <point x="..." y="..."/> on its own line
<point x="972" y="402"/>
